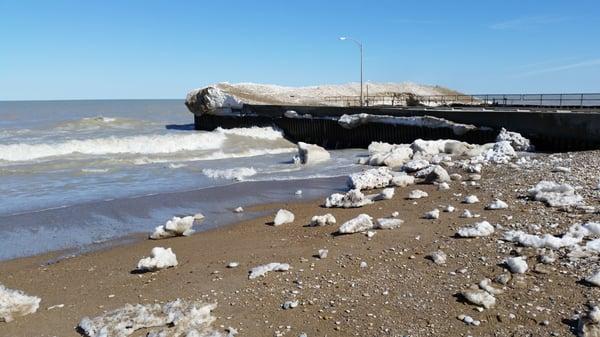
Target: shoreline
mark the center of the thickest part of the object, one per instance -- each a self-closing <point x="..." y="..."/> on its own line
<point x="121" y="219"/>
<point x="337" y="297"/>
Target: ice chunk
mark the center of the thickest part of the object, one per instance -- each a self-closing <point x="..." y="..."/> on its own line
<point x="311" y="154"/>
<point x="516" y="140"/>
<point x="500" y="153"/>
<point x="322" y="253"/>
<point x="449" y="209"/>
<point x="471" y="199"/>
<point x="482" y="228"/>
<point x="15" y="303"/>
<point x="239" y="209"/>
<point x="417" y="194"/>
<point x="415" y="165"/>
<point x="322" y="220"/>
<point x="160" y="258"/>
<point x="466" y="214"/>
<point x="361" y="223"/>
<point x="589" y="324"/>
<point x="555" y="195"/>
<point x="176" y="318"/>
<point x="402" y="180"/>
<point x="435" y="173"/>
<point x="497" y="204"/>
<point x="388" y="223"/>
<point x="479" y="297"/>
<point x="283" y="216"/>
<point x="486" y="284"/>
<point x="543" y="241"/>
<point x="594" y="279"/>
<point x="351" y="199"/>
<point x="264" y="269"/>
<point x="385" y="194"/>
<point x="435" y="214"/>
<point x="443" y="186"/>
<point x="383" y="154"/>
<point x="175" y="227"/>
<point x="371" y="179"/>
<point x="438" y="257"/>
<point x="517" y="265"/>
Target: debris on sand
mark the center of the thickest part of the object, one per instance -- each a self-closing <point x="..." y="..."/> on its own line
<point x="517" y="265"/>
<point x="388" y="223"/>
<point x="176" y="318"/>
<point x="554" y="194"/>
<point x="479" y="297"/>
<point x="497" y="204"/>
<point x="312" y="154"/>
<point x="417" y="194"/>
<point x="264" y="269"/>
<point x="322" y="220"/>
<point x="175" y="227"/>
<point x="15" y="303"/>
<point x="482" y="228"/>
<point x="160" y="258"/>
<point x="283" y="216"/>
<point x="361" y="223"/>
<point x="351" y="199"/>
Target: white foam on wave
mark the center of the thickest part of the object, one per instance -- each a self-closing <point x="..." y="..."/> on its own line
<point x="256" y="132"/>
<point x="217" y="155"/>
<point x="236" y="173"/>
<point x="154" y="144"/>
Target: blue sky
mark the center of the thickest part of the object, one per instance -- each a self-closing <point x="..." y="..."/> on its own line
<point x="161" y="49"/>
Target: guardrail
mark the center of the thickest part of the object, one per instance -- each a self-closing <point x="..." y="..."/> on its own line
<point x="567" y="100"/>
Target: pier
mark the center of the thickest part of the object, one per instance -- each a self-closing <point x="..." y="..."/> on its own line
<point x="549" y="126"/>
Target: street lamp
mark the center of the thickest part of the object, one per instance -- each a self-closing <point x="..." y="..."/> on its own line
<point x="360" y="47"/>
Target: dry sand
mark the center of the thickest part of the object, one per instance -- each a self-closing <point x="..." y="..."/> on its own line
<point x="399" y="293"/>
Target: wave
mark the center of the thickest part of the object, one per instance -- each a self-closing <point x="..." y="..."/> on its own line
<point x="217" y="155"/>
<point x="99" y="122"/>
<point x="256" y="132"/>
<point x="154" y="144"/>
<point x="236" y="173"/>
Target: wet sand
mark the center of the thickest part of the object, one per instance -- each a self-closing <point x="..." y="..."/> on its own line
<point x="400" y="292"/>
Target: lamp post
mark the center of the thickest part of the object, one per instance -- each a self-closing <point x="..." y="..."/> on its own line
<point x="360" y="47"/>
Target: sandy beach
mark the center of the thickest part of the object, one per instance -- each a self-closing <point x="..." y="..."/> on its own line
<point x="399" y="292"/>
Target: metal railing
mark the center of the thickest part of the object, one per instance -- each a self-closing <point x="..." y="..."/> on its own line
<point x="570" y="100"/>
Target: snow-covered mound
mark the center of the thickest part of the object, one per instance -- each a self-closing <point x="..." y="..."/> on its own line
<point x="226" y="97"/>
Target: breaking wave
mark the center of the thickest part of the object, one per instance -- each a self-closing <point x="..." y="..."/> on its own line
<point x="154" y="144"/>
<point x="236" y="173"/>
<point x="267" y="133"/>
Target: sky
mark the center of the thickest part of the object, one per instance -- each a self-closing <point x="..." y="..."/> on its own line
<point x="119" y="49"/>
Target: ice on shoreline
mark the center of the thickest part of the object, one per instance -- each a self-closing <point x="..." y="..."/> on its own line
<point x="160" y="258"/>
<point x="264" y="269"/>
<point x="176" y="318"/>
<point x="479" y="229"/>
<point x="283" y="216"/>
<point x="554" y="194"/>
<point x="175" y="227"/>
<point x="309" y="154"/>
<point x="361" y="223"/>
<point x="15" y="303"/>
